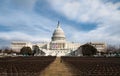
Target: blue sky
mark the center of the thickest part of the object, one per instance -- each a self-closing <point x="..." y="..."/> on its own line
<point x="82" y="20"/>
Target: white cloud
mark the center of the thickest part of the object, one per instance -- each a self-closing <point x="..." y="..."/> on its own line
<point x="106" y="14"/>
<point x="84" y="10"/>
<point x="23" y="4"/>
<point x="15" y="35"/>
<point x="31" y="26"/>
<point x="25" y="25"/>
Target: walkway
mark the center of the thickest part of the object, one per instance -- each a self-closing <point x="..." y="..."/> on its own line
<point x="58" y="68"/>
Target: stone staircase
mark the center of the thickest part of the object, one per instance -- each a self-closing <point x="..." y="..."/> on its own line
<point x="58" y="68"/>
<point x="56" y="52"/>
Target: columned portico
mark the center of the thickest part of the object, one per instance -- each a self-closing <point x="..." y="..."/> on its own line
<point x="57" y="46"/>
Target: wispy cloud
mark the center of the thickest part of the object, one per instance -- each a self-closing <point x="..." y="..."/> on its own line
<point x="31" y="24"/>
<point x="85" y="10"/>
<point x="25" y="23"/>
<point x="105" y="14"/>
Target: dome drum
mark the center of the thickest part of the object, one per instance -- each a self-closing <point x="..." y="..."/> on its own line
<point x="58" y="34"/>
<point x="58" y="38"/>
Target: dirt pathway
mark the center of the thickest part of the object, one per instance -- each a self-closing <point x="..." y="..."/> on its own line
<point x="58" y="68"/>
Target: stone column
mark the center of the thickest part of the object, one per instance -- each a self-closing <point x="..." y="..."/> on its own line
<point x="48" y="47"/>
<point x="65" y="46"/>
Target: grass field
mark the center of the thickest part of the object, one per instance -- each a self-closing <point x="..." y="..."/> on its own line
<point x="59" y="66"/>
<point x="92" y="66"/>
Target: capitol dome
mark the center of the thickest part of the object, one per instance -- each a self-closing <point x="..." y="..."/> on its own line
<point x="58" y="34"/>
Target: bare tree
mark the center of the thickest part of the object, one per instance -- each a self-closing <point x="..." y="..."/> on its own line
<point x="111" y="49"/>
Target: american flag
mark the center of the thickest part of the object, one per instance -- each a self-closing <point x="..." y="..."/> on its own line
<point x="54" y="46"/>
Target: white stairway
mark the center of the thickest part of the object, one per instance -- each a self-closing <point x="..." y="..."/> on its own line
<point x="56" y="52"/>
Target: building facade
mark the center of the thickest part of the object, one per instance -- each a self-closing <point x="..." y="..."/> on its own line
<point x="101" y="47"/>
<point x="17" y="45"/>
<point x="58" y="46"/>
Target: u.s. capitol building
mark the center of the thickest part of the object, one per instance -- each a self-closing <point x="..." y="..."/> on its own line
<point x="58" y="46"/>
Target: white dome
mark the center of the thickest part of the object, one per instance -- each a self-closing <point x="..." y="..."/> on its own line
<point x="58" y="34"/>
